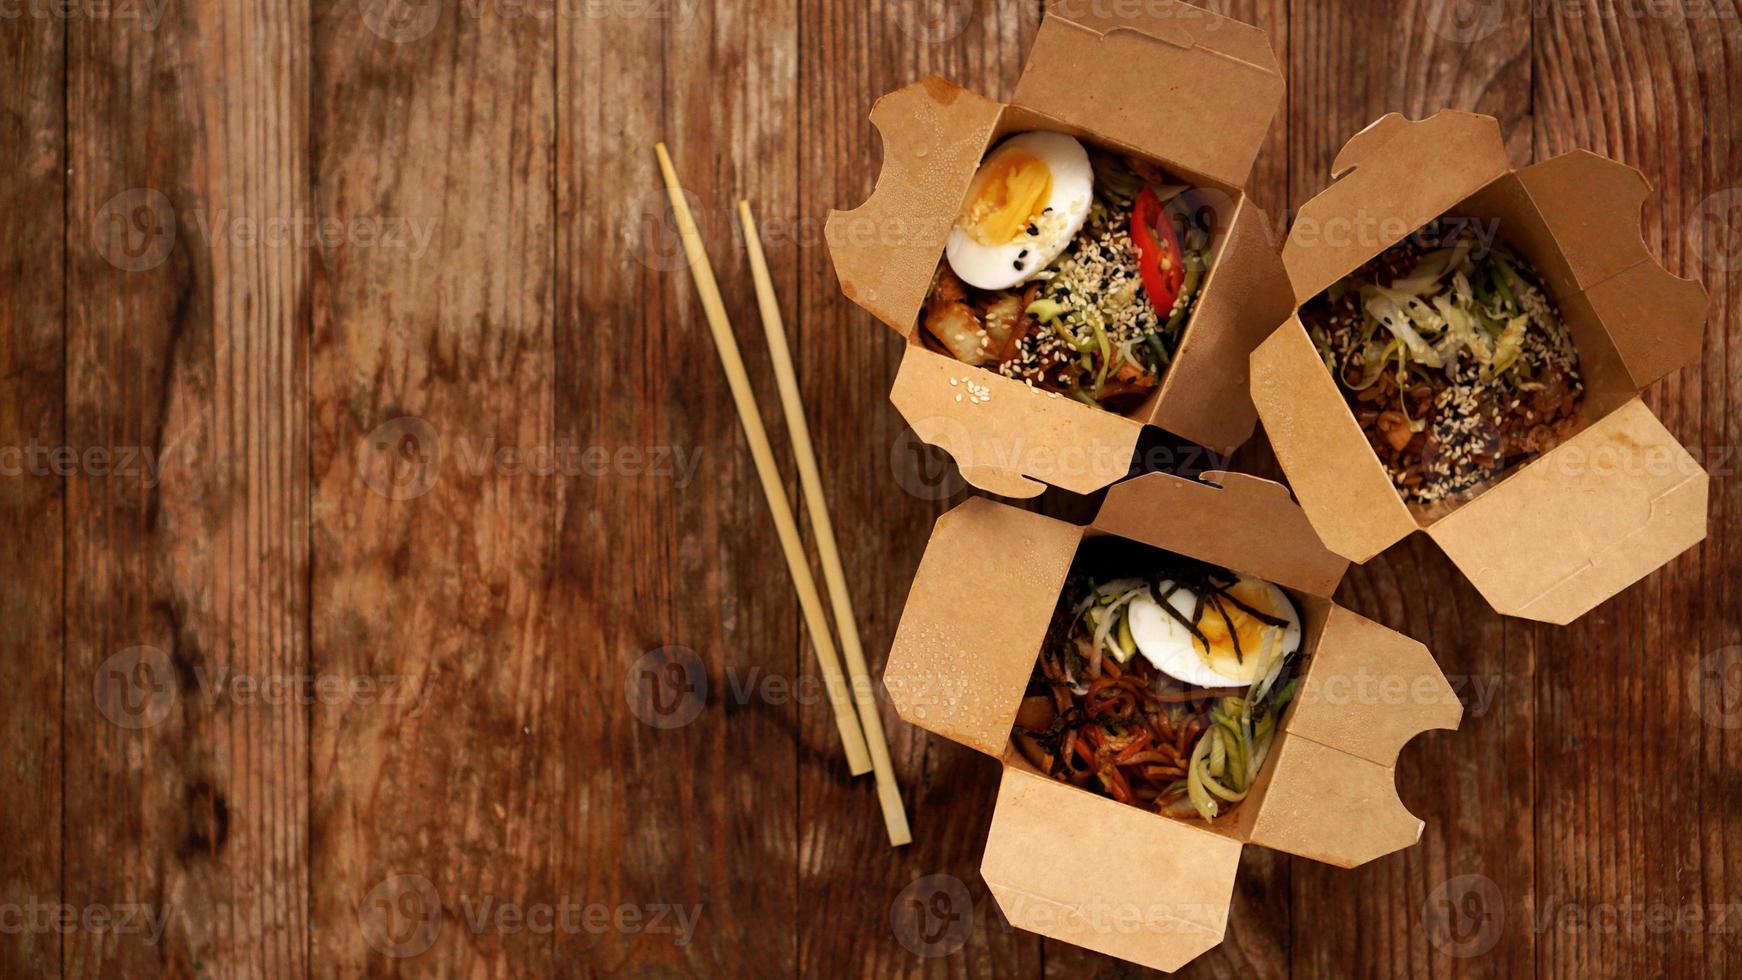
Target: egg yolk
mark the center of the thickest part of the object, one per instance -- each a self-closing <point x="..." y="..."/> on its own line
<point x="1008" y="195"/>
<point x="1249" y="628"/>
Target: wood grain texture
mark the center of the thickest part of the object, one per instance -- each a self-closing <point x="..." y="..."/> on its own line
<point x="436" y="808"/>
<point x="1637" y="859"/>
<point x="32" y="403"/>
<point x="686" y="674"/>
<point x="450" y="460"/>
<point x="186" y="551"/>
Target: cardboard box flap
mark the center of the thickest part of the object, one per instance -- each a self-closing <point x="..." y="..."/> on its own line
<point x="1160" y="900"/>
<point x="1370" y="690"/>
<point x="1015" y="431"/>
<point x="1591" y="205"/>
<point x="886" y="250"/>
<point x="1578" y="525"/>
<point x="959" y="663"/>
<point x="1325" y="804"/>
<point x="1390" y="179"/>
<point x="1232" y="519"/>
<point x="1340" y="483"/>
<point x="1167" y="79"/>
<point x="1206" y="392"/>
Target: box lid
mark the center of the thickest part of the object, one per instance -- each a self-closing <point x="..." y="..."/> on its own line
<point x="1329" y="805"/>
<point x="1341" y="485"/>
<point x="1234" y="520"/>
<point x="1018" y="440"/>
<point x="1370" y="690"/>
<point x="1160" y="900"/>
<point x="886" y="249"/>
<point x="1603" y="509"/>
<point x="1592" y="205"/>
<point x="1142" y="74"/>
<point x="979" y="606"/>
<point x="1395" y="174"/>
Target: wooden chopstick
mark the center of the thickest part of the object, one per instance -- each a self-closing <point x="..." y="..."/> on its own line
<point x="810" y="603"/>
<point x="811" y="483"/>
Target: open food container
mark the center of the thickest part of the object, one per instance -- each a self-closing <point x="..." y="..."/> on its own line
<point x="1614" y="495"/>
<point x="1172" y="87"/>
<point x="1326" y="790"/>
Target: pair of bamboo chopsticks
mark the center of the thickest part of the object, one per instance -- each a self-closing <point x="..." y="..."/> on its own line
<point x="861" y="733"/>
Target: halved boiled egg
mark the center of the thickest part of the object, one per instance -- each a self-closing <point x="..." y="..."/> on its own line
<point x="1029" y="198"/>
<point x="1164" y="640"/>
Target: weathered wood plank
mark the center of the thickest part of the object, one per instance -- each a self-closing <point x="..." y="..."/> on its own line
<point x="862" y="905"/>
<point x="1637" y="856"/>
<point x="678" y="620"/>
<point x="434" y="812"/>
<point x="1412" y="912"/>
<point x="32" y="403"/>
<point x="186" y="556"/>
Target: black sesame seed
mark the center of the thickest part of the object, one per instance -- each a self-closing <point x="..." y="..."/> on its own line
<point x="1022" y="254"/>
<point x="1033" y="231"/>
<point x="1018" y="265"/>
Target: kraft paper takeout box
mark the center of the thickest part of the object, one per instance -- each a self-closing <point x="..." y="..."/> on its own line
<point x="1172" y="83"/>
<point x="1074" y="865"/>
<point x="1620" y="497"/>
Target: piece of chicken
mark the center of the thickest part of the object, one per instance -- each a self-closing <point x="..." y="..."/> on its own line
<point x="951" y="320"/>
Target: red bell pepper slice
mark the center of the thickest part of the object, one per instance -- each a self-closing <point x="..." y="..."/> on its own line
<point x="1159" y="263"/>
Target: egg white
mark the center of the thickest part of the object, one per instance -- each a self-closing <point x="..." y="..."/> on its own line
<point x="1168" y="645"/>
<point x="1007" y="264"/>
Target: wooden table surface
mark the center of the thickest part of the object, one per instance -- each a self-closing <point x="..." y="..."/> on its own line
<point x="387" y="584"/>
